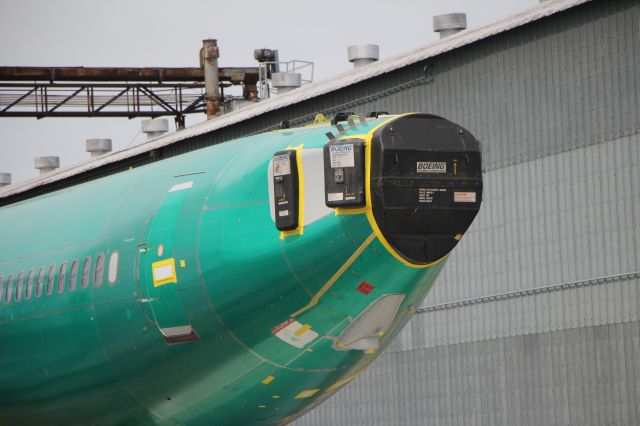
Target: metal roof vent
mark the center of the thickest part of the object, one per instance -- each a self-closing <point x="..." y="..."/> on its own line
<point x="98" y="147"/>
<point x="46" y="164"/>
<point x="5" y="179"/>
<point x="363" y="54"/>
<point x="286" y="81"/>
<point x="155" y="128"/>
<point x="449" y="24"/>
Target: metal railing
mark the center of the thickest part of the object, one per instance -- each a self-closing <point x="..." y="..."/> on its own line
<point x="305" y="68"/>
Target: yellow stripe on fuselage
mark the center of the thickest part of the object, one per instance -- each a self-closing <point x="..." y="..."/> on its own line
<point x="316" y="297"/>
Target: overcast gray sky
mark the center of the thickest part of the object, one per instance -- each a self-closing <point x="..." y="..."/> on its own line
<point x="159" y="33"/>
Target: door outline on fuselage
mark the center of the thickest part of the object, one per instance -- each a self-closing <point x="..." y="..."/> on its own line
<point x="159" y="277"/>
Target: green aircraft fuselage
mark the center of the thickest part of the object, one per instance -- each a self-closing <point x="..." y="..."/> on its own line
<point x="165" y="294"/>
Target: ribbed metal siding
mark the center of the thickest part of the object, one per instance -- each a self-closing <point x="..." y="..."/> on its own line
<point x="568" y="217"/>
<point x="547" y="277"/>
<point x="566" y="81"/>
<point x="535" y="318"/>
<point x="582" y="376"/>
<point x="586" y="303"/>
<point x="569" y="80"/>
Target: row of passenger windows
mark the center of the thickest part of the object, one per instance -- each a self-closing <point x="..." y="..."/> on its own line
<point x="17" y="285"/>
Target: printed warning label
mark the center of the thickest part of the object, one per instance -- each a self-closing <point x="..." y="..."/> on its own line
<point x="294" y="333"/>
<point x="282" y="325"/>
<point x="281" y="165"/>
<point x="335" y="196"/>
<point x="425" y="195"/>
<point x="431" y="167"/>
<point x="341" y="155"/>
<point x="464" y="197"/>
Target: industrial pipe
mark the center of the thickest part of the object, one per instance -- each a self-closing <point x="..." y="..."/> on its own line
<point x="210" y="55"/>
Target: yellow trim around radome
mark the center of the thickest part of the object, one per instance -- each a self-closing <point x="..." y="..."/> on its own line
<point x="368" y="210"/>
<point x="300" y="228"/>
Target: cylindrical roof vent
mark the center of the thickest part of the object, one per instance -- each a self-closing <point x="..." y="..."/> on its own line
<point x="46" y="164"/>
<point x="449" y="24"/>
<point x="98" y="147"/>
<point x="286" y="81"/>
<point x="363" y="54"/>
<point x="155" y="128"/>
<point x="5" y="179"/>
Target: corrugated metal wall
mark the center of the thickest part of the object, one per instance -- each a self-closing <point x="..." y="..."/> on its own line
<point x="567" y="217"/>
<point x="566" y="81"/>
<point x="563" y="82"/>
<point x="535" y="319"/>
<point x="579" y="376"/>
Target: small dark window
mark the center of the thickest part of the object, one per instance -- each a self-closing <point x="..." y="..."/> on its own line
<point x="30" y="278"/>
<point x="19" y="286"/>
<point x="73" y="275"/>
<point x="86" y="271"/>
<point x="98" y="272"/>
<point x="1" y="286"/>
<point x="9" y="290"/>
<point x="62" y="276"/>
<point x="40" y="282"/>
<point x="51" y="279"/>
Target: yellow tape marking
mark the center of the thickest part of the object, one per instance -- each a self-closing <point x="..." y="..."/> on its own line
<point x="300" y="229"/>
<point x="183" y="263"/>
<point x="164" y="272"/>
<point x="307" y="393"/>
<point x="268" y="380"/>
<point x="320" y="119"/>
<point x="347" y="211"/>
<point x="275" y="397"/>
<point x="316" y="297"/>
<point x="299" y="332"/>
<point x="262" y="406"/>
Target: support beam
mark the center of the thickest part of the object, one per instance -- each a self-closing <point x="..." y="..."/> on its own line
<point x="121" y="92"/>
<point x="234" y="75"/>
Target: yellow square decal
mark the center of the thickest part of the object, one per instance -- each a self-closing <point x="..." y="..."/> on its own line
<point x="164" y="272"/>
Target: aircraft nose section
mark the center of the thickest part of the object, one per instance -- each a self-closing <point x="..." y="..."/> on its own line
<point x="425" y="185"/>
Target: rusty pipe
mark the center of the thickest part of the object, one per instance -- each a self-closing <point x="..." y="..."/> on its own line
<point x="210" y="55"/>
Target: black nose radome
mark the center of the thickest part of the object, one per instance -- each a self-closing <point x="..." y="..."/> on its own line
<point x="426" y="185"/>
